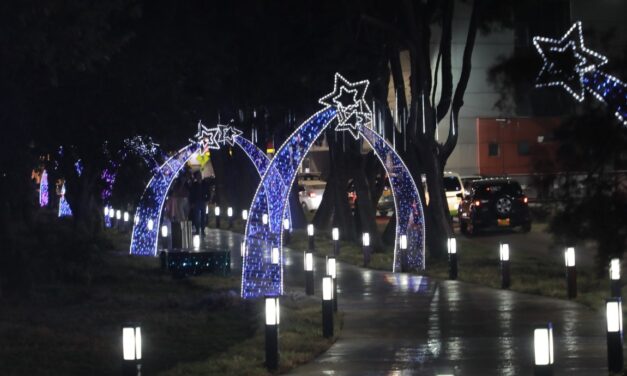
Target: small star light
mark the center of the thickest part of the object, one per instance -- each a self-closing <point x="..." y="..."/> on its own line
<point x="566" y="61"/>
<point x="208" y="138"/>
<point x="349" y="100"/>
<point x="227" y="133"/>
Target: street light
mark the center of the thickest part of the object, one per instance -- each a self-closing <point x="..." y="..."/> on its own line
<point x="272" y="331"/>
<point x="543" y="350"/>
<point x="335" y="235"/>
<point x="309" y="273"/>
<point x="131" y="349"/>
<point x="615" y="286"/>
<point x="310" y="237"/>
<point x="332" y="271"/>
<point x="286" y="230"/>
<point x="244" y="214"/>
<point x="571" y="272"/>
<point x="229" y="214"/>
<point x="275" y="256"/>
<point x="216" y="211"/>
<point x="452" y="258"/>
<point x="365" y="241"/>
<point x="327" y="307"/>
<point x="614" y="317"/>
<point x="504" y="256"/>
<point x="403" y="247"/>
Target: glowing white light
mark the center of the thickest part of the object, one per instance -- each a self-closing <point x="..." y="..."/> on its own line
<point x="132" y="343"/>
<point x="307" y="170"/>
<point x="365" y="239"/>
<point x="331" y="267"/>
<point x="264" y="218"/>
<point x="615" y="269"/>
<point x="452" y="245"/>
<point x="308" y="261"/>
<point x="504" y="252"/>
<point x="229" y="212"/>
<point x="403" y="242"/>
<point x="335" y="233"/>
<point x="273" y="311"/>
<point x="151" y="224"/>
<point x="212" y="138"/>
<point x="106" y="211"/>
<point x="310" y="229"/>
<point x="245" y="215"/>
<point x="286" y="224"/>
<point x="327" y="288"/>
<point x="242" y="249"/>
<point x="111" y="213"/>
<point x="164" y="231"/>
<point x="216" y="211"/>
<point x="569" y="256"/>
<point x="207" y="209"/>
<point x="136" y="219"/>
<point x="196" y="242"/>
<point x="614" y="315"/>
<point x="126" y="216"/>
<point x="118" y="215"/>
<point x="543" y="345"/>
<point x="275" y="255"/>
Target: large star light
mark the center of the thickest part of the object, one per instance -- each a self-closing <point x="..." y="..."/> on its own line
<point x="566" y="61"/>
<point x="227" y="133"/>
<point x="349" y="99"/>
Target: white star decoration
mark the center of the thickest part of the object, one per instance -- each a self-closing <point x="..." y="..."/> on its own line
<point x="349" y="99"/>
<point x="570" y="76"/>
<point x="213" y="138"/>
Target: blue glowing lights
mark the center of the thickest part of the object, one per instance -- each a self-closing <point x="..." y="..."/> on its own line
<point x="43" y="189"/>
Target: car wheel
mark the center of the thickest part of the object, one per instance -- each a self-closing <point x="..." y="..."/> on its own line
<point x="503" y="205"/>
<point x="526" y="227"/>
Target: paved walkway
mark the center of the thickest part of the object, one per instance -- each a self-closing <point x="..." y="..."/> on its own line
<point x="400" y="324"/>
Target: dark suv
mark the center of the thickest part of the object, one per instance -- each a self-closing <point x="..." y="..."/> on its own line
<point x="494" y="203"/>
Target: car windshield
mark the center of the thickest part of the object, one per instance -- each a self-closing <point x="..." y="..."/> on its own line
<point x="511" y="188"/>
<point x="451" y="183"/>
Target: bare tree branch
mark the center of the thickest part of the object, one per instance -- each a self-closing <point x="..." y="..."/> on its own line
<point x="447" y="70"/>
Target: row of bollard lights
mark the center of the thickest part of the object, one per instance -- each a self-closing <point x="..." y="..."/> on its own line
<point x="543" y="335"/>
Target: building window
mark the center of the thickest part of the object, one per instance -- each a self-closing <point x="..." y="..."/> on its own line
<point x="493" y="149"/>
<point x="523" y="148"/>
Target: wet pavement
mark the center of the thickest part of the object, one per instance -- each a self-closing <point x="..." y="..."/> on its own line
<point x="400" y="324"/>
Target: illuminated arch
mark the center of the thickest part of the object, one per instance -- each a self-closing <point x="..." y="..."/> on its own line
<point x="259" y="275"/>
<point x="144" y="240"/>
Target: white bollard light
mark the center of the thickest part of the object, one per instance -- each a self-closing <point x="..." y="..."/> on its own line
<point x="275" y="256"/>
<point x="196" y="242"/>
<point x="244" y="214"/>
<point x="164" y="231"/>
<point x="543" y="349"/>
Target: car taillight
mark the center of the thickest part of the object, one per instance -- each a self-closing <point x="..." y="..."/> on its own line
<point x="525" y="200"/>
<point x="312" y="194"/>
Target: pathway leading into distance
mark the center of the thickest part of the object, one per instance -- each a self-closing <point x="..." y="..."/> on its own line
<point x="401" y="324"/>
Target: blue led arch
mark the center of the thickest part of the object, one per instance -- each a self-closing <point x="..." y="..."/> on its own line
<point x="144" y="240"/>
<point x="347" y="107"/>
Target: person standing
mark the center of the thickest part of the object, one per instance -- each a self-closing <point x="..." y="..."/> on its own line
<point x="197" y="198"/>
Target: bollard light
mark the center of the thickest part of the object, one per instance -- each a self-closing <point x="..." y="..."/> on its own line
<point x="310" y="229"/>
<point x="452" y="258"/>
<point x="207" y="209"/>
<point x="164" y="231"/>
<point x="286" y="224"/>
<point x="310" y="237"/>
<point x="126" y="216"/>
<point x="216" y="211"/>
<point x="365" y="242"/>
<point x="118" y="214"/>
<point x="106" y="211"/>
<point x="111" y="213"/>
<point x="402" y="243"/>
<point x="327" y="307"/>
<point x="335" y="235"/>
<point x="196" y="242"/>
<point x="264" y="219"/>
<point x="242" y="249"/>
<point x="273" y="315"/>
<point x="229" y="212"/>
<point x="614" y="318"/>
<point x="332" y="271"/>
<point x="151" y="224"/>
<point x="275" y="256"/>
<point x="309" y="273"/>
<point x="244" y="214"/>
<point x="365" y="239"/>
<point x="505" y="270"/>
<point x="287" y="236"/>
<point x="615" y="284"/>
<point x="571" y="272"/>
<point x="131" y="349"/>
<point x="543" y="350"/>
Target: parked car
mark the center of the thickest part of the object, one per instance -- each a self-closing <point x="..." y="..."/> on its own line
<point x="310" y="193"/>
<point x="496" y="203"/>
<point x="467" y="180"/>
<point x="454" y="188"/>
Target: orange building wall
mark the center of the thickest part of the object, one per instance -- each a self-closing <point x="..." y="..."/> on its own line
<point x="507" y="133"/>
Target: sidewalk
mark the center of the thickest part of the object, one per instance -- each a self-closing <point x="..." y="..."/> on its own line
<point x="399" y="324"/>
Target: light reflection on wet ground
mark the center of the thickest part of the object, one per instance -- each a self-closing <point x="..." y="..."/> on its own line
<point x="399" y="324"/>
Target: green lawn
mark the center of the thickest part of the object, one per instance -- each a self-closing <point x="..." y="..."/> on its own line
<point x="191" y="326"/>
